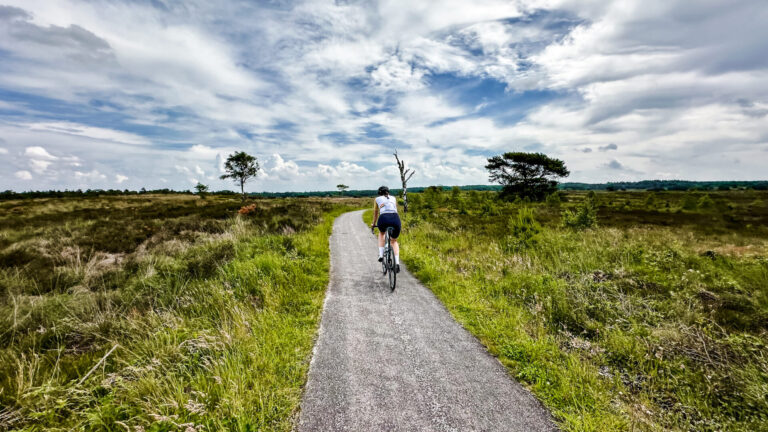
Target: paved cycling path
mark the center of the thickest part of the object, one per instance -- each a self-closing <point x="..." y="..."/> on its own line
<point x="398" y="361"/>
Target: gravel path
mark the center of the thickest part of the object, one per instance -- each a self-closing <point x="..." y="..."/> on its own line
<point x="398" y="361"/>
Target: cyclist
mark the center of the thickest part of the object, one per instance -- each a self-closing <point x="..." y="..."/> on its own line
<point x="385" y="213"/>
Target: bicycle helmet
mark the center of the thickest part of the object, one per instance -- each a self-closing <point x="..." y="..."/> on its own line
<point x="383" y="190"/>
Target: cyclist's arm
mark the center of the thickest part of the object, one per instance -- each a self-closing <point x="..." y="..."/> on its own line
<point x="375" y="213"/>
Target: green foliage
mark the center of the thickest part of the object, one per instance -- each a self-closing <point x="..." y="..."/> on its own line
<point x="455" y="195"/>
<point x="705" y="202"/>
<point x="241" y="167"/>
<point x="342" y="187"/>
<point x="212" y="315"/>
<point x="527" y="175"/>
<point x="650" y="200"/>
<point x="554" y="200"/>
<point x="202" y="190"/>
<point x="524" y="231"/>
<point x="651" y="321"/>
<point x="690" y="202"/>
<point x="433" y="197"/>
<point x="583" y="217"/>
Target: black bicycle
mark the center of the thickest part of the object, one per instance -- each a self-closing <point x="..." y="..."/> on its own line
<point x="388" y="263"/>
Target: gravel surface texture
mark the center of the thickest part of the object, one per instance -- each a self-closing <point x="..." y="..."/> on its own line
<point x="398" y="361"/>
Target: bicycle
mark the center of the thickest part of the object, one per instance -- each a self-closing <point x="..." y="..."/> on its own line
<point x="388" y="263"/>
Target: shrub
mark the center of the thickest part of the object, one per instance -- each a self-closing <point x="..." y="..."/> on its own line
<point x="553" y="199"/>
<point x="690" y="202"/>
<point x="650" y="200"/>
<point x="433" y="197"/>
<point x="705" y="202"/>
<point x="489" y="208"/>
<point x="455" y="195"/>
<point x="524" y="230"/>
<point x="246" y="210"/>
<point x="585" y="216"/>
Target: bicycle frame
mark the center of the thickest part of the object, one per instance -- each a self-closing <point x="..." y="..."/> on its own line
<point x="388" y="263"/>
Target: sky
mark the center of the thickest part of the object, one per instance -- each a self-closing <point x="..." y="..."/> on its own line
<point x="119" y="94"/>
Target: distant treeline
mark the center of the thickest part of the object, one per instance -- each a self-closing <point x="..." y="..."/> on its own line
<point x="652" y="185"/>
<point x="79" y="193"/>
<point x="670" y="185"/>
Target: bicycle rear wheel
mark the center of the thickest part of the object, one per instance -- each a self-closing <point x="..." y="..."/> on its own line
<point x="391" y="264"/>
<point x="392" y="276"/>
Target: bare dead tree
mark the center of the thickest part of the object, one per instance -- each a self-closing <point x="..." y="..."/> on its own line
<point x="404" y="177"/>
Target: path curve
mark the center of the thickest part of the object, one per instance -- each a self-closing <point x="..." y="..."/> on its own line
<point x="398" y="361"/>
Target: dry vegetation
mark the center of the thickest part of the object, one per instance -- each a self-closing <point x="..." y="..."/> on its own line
<point x="158" y="312"/>
<point x="655" y="318"/>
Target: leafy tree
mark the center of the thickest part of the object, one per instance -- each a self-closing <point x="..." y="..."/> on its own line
<point x="241" y="167"/>
<point x="202" y="190"/>
<point x="526" y="175"/>
<point x="342" y="187"/>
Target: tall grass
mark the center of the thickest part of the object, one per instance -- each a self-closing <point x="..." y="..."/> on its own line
<point x="628" y="326"/>
<point x="202" y="321"/>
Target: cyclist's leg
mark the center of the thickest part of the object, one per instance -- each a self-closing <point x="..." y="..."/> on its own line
<point x="395" y="246"/>
<point x="396" y="226"/>
<point x="382" y="225"/>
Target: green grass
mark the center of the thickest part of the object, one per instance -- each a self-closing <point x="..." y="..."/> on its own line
<point x="655" y="320"/>
<point x="212" y="316"/>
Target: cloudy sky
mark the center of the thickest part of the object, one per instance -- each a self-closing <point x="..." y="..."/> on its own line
<point x="156" y="93"/>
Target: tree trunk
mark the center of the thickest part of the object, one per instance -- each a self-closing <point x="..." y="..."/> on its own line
<point x="242" y="189"/>
<point x="404" y="180"/>
<point x="405" y="199"/>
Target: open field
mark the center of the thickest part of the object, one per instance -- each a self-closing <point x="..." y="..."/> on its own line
<point x="159" y="312"/>
<point x="655" y="319"/>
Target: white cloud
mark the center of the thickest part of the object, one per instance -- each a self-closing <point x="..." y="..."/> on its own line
<point x="39" y="153"/>
<point x="91" y="176"/>
<point x="3" y="150"/>
<point x="282" y="169"/>
<point x="119" y="178"/>
<point x="23" y="175"/>
<point x="322" y="92"/>
<point x="96" y="133"/>
<point x="39" y="166"/>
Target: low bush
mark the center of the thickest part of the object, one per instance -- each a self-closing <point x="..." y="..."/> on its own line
<point x="655" y="320"/>
<point x="524" y="231"/>
<point x="583" y="217"/>
<point x="207" y="324"/>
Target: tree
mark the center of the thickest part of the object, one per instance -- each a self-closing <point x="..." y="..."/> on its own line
<point x="342" y="187"/>
<point x="202" y="190"/>
<point x="241" y="167"/>
<point x="404" y="177"/>
<point x="526" y="175"/>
